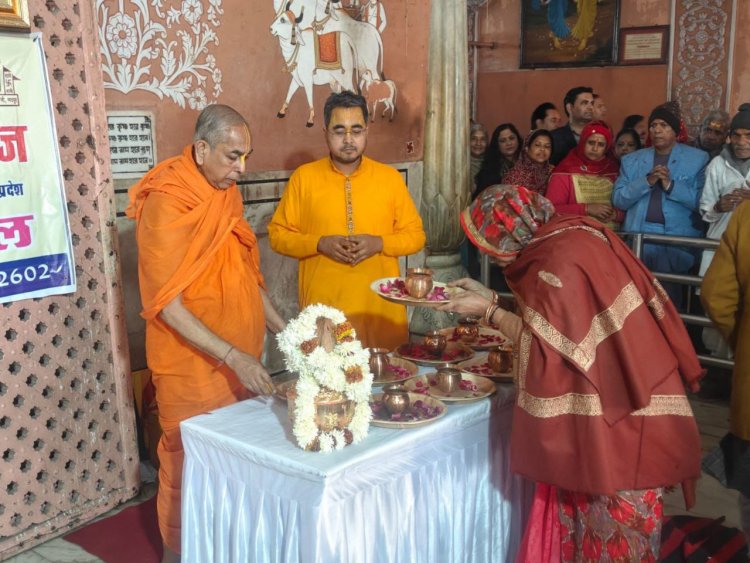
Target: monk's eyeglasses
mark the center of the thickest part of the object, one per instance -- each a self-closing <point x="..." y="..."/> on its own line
<point x="355" y="132"/>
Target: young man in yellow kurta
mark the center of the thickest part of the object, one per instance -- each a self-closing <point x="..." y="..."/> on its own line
<point x="347" y="219"/>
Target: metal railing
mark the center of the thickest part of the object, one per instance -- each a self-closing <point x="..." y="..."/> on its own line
<point x="636" y="242"/>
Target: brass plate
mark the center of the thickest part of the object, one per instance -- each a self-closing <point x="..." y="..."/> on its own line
<point x="455" y="351"/>
<point x="413" y="397"/>
<point x="425" y="385"/>
<point x="479" y="366"/>
<point x="413" y="301"/>
<point x="391" y="377"/>
<point x="488" y="338"/>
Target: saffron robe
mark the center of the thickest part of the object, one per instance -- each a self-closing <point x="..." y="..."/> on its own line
<point x="725" y="294"/>
<point x="193" y="240"/>
<point x="313" y="206"/>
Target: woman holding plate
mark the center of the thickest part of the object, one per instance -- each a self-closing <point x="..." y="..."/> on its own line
<point x="601" y="433"/>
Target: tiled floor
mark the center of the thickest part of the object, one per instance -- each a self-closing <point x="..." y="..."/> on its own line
<point x="713" y="499"/>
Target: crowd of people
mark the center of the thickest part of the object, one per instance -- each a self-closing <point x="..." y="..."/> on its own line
<point x="599" y="431"/>
<point x="545" y="212"/>
<point x="647" y="177"/>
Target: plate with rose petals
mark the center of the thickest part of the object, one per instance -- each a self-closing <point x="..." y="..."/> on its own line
<point x="394" y="289"/>
<point x="488" y="338"/>
<point x="399" y="369"/>
<point x="422" y="410"/>
<point x="418" y="353"/>
<point x="479" y="366"/>
<point x="472" y="388"/>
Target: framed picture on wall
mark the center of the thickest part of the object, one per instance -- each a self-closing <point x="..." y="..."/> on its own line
<point x="644" y="45"/>
<point x="14" y="15"/>
<point x="569" y="33"/>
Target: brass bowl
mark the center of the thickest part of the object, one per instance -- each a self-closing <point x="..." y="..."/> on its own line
<point x="448" y="379"/>
<point x="378" y="361"/>
<point x="395" y="399"/>
<point x="435" y="342"/>
<point x="332" y="409"/>
<point x="467" y="330"/>
<point x="418" y="282"/>
<point x="500" y="359"/>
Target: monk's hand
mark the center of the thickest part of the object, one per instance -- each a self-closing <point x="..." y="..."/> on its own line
<point x="364" y="246"/>
<point x="250" y="372"/>
<point x="336" y="247"/>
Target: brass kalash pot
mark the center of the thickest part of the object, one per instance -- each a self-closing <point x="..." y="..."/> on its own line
<point x="395" y="398"/>
<point x="418" y="282"/>
<point x="467" y="330"/>
<point x="332" y="409"/>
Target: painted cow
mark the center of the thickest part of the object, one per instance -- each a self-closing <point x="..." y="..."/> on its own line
<point x="330" y="15"/>
<point x="377" y="91"/>
<point x="298" y="49"/>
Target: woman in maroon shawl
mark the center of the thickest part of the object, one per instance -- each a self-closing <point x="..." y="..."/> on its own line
<point x="582" y="183"/>
<point x="601" y="420"/>
<point x="532" y="169"/>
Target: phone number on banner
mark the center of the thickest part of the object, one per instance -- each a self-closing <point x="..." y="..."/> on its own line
<point x="34" y="274"/>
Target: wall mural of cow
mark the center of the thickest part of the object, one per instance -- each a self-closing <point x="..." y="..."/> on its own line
<point x="323" y="44"/>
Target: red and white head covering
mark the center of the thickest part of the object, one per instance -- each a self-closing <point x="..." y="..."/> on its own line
<point x="503" y="219"/>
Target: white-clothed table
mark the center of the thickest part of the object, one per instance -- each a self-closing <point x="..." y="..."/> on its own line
<point x="437" y="493"/>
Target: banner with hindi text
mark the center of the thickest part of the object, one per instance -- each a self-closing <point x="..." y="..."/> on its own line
<point x="36" y="257"/>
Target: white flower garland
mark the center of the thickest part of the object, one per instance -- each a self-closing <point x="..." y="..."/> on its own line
<point x="319" y="371"/>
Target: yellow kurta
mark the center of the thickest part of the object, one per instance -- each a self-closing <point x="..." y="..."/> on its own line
<point x="725" y="294"/>
<point x="313" y="206"/>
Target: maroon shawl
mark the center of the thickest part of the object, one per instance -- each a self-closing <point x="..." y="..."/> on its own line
<point x="601" y="406"/>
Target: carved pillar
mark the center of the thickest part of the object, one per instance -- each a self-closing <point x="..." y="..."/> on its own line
<point x="445" y="190"/>
<point x="701" y="65"/>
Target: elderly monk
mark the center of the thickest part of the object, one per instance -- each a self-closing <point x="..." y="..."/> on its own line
<point x="203" y="294"/>
<point x="347" y="219"/>
<point x="601" y="421"/>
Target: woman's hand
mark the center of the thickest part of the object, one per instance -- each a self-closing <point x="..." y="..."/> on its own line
<point x="599" y="211"/>
<point x="472" y="285"/>
<point x="473" y="301"/>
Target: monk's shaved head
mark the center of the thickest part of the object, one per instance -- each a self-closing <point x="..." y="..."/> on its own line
<point x="214" y="123"/>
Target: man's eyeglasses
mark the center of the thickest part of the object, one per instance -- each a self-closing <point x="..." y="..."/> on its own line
<point x="355" y="132"/>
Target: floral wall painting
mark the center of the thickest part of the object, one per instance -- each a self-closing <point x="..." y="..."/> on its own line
<point x="566" y="33"/>
<point x="162" y="47"/>
<point x="336" y="44"/>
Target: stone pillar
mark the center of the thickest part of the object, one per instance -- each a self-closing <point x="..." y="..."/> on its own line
<point x="445" y="190"/>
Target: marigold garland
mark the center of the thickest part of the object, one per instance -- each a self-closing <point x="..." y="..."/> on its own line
<point x="346" y="369"/>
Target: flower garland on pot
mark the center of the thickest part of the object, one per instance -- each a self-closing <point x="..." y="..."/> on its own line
<point x="322" y="347"/>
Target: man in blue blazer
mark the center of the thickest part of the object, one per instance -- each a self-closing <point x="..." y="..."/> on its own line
<point x="659" y="188"/>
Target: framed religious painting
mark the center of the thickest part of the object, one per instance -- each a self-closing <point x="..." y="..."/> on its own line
<point x="569" y="33"/>
<point x="14" y="15"/>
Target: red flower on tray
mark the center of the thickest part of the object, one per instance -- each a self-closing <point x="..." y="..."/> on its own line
<point x="479" y="369"/>
<point x="421" y="352"/>
<point x="418" y="410"/>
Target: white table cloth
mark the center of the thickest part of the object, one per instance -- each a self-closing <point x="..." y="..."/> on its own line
<point x="437" y="493"/>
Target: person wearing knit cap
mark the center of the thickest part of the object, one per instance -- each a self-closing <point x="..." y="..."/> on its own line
<point x="659" y="188"/>
<point x="727" y="185"/>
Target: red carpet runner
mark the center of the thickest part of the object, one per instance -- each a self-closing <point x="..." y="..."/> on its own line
<point x="130" y="536"/>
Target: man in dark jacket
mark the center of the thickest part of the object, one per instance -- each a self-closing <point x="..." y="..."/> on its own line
<point x="579" y="107"/>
